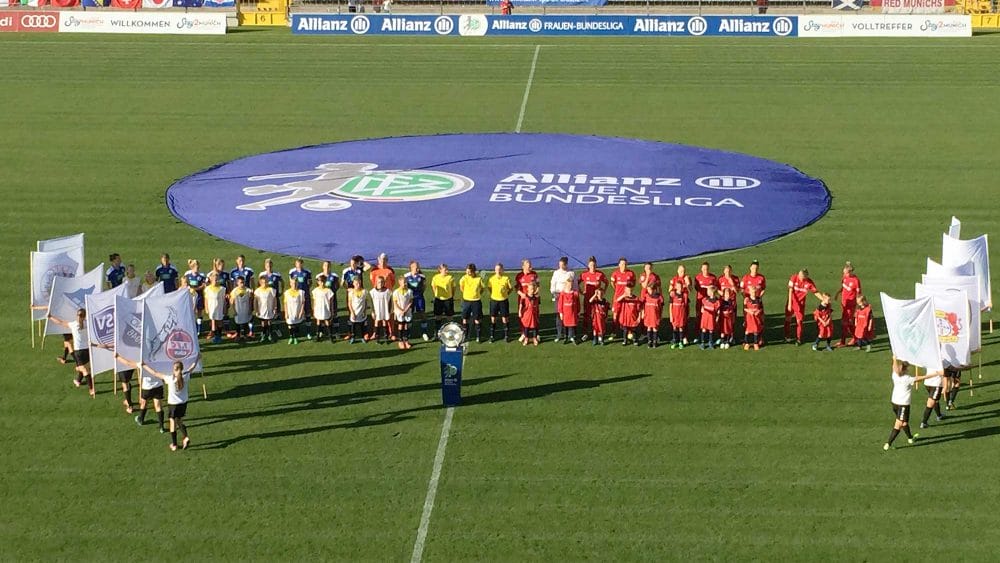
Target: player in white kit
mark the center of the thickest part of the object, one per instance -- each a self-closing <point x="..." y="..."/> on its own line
<point x="241" y="300"/>
<point x="902" y="386"/>
<point x="381" y="309"/>
<point x="265" y="308"/>
<point x="322" y="307"/>
<point x="402" y="305"/>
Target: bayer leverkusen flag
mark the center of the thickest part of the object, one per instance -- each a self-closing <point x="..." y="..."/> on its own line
<point x="169" y="331"/>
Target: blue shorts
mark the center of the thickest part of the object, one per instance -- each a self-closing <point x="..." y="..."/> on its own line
<point x="419" y="304"/>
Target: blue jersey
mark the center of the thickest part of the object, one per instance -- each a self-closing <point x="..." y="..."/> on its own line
<point x="223" y="278"/>
<point x="168" y="275"/>
<point x="351" y="274"/>
<point x="244" y="272"/>
<point x="194" y="280"/>
<point x="273" y="280"/>
<point x="415" y="282"/>
<point x="303" y="276"/>
<point x="115" y="275"/>
<point x="332" y="281"/>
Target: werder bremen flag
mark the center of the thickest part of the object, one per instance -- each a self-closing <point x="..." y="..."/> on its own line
<point x="101" y="328"/>
<point x="46" y="267"/>
<point x="936" y="270"/>
<point x="956" y="252"/>
<point x="955" y="228"/>
<point x="953" y="315"/>
<point x="974" y="324"/>
<point x="128" y="327"/>
<point x="62" y="243"/>
<point x="913" y="331"/>
<point x="169" y="331"/>
<point x="69" y="295"/>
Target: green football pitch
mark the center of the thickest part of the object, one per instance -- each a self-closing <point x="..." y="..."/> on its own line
<point x="326" y="451"/>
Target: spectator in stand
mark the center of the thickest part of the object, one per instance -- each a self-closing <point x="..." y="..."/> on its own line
<point x="506" y="7"/>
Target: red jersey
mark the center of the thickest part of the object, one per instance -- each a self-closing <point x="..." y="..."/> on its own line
<point x="652" y="311"/>
<point x="758" y="282"/>
<point x="824" y="321"/>
<point x="652" y="280"/>
<point x="753" y="313"/>
<point x="598" y="315"/>
<point x="863" y="321"/>
<point x="685" y="283"/>
<point x="702" y="283"/>
<point x="727" y="317"/>
<point x="800" y="289"/>
<point x="631" y="306"/>
<point x="523" y="280"/>
<point x="591" y="282"/>
<point x="528" y="310"/>
<point x="709" y="308"/>
<point x="850" y="285"/>
<point x="730" y="283"/>
<point x="568" y="305"/>
<point x="678" y="310"/>
<point x="621" y="280"/>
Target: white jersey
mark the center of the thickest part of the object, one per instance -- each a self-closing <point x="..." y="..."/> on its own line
<point x="402" y="299"/>
<point x="559" y="279"/>
<point x="265" y="303"/>
<point x="177" y="396"/>
<point x="147" y="381"/>
<point x="936" y="381"/>
<point x="358" y="302"/>
<point x="321" y="299"/>
<point x="79" y="331"/>
<point x="381" y="304"/>
<point x="242" y="308"/>
<point x="215" y="302"/>
<point x="902" y="385"/>
<point x="295" y="301"/>
<point x="133" y="287"/>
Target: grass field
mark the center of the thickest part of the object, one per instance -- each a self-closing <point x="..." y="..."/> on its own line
<point x="325" y="451"/>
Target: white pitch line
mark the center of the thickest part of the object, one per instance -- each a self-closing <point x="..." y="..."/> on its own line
<point x="527" y="89"/>
<point x="432" y="486"/>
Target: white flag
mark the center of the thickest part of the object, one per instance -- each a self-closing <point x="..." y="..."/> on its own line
<point x="101" y="328"/>
<point x="62" y="243"/>
<point x="69" y="295"/>
<point x="46" y="267"/>
<point x="955" y="327"/>
<point x="169" y="331"/>
<point x="955" y="252"/>
<point x="955" y="229"/>
<point x="937" y="270"/>
<point x="128" y="331"/>
<point x="913" y="331"/>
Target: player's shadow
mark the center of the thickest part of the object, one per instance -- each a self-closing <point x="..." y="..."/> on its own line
<point x="963" y="435"/>
<point x="263" y="364"/>
<point x="316" y="380"/>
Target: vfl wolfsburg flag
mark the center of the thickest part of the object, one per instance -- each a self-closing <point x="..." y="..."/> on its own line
<point x="169" y="331"/>
<point x="938" y="270"/>
<point x="955" y="252"/>
<point x="913" y="331"/>
<point x="70" y="294"/>
<point x="45" y="268"/>
<point x="101" y="328"/>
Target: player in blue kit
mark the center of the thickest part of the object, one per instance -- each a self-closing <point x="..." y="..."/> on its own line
<point x="356" y="269"/>
<point x="167" y="274"/>
<point x="416" y="281"/>
<point x="195" y="281"/>
<point x="116" y="272"/>
<point x="304" y="278"/>
<point x="242" y="271"/>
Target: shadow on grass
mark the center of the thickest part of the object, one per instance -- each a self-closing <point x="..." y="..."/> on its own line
<point x="964" y="435"/>
<point x="318" y="380"/>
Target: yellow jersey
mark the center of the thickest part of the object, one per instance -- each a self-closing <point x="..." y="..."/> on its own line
<point x="443" y="286"/>
<point x="472" y="287"/>
<point x="500" y="287"/>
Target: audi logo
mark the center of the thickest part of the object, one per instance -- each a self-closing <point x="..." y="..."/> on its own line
<point x="37" y="21"/>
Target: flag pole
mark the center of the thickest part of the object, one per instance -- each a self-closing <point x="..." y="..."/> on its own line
<point x="31" y="310"/>
<point x="204" y="391"/>
<point x="114" y="384"/>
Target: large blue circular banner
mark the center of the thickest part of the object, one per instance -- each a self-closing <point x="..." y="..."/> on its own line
<point x="499" y="197"/>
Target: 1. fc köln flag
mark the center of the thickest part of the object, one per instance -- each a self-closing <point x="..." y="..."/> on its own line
<point x="69" y="295"/>
<point x="913" y="331"/>
<point x="101" y="328"/>
<point x="169" y="331"/>
<point x="45" y="268"/>
<point x="955" y="252"/>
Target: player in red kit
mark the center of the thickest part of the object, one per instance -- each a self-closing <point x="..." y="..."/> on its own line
<point x="727" y="318"/>
<point x="648" y="279"/>
<point x="704" y="280"/>
<point x="753" y="313"/>
<point x="756" y="281"/>
<point x="568" y="309"/>
<point x="864" y="324"/>
<point x="685" y="281"/>
<point x="622" y="279"/>
<point x="628" y="316"/>
<point x="652" y="312"/>
<point x="850" y="288"/>
<point x="528" y="310"/>
<point x="824" y="322"/>
<point x="709" y="314"/>
<point x="799" y="287"/>
<point x="598" y="308"/>
<point x="591" y="281"/>
<point x="678" y="314"/>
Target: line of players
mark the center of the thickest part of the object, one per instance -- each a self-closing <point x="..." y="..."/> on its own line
<point x="309" y="306"/>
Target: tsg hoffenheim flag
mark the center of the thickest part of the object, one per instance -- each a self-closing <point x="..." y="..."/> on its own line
<point x="955" y="229"/>
<point x="46" y="267"/>
<point x="953" y="316"/>
<point x="62" y="243"/>
<point x="936" y="270"/>
<point x="913" y="331"/>
<point x="101" y="328"/>
<point x="955" y="252"/>
<point x="169" y="331"/>
<point x="69" y="295"/>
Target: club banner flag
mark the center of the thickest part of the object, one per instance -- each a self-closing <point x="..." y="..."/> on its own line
<point x="955" y="252"/>
<point x="45" y="268"/>
<point x="953" y="315"/>
<point x="936" y="270"/>
<point x="968" y="284"/>
<point x="169" y="331"/>
<point x="61" y="243"/>
<point x="157" y="4"/>
<point x="128" y="332"/>
<point x="101" y="328"/>
<point x="913" y="331"/>
<point x="955" y="228"/>
<point x="69" y="295"/>
<point x="154" y="291"/>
